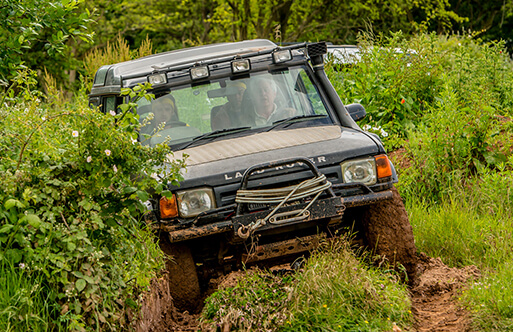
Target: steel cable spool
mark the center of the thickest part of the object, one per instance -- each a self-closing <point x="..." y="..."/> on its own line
<point x="314" y="186"/>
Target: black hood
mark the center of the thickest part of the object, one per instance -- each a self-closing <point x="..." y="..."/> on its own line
<point x="224" y="162"/>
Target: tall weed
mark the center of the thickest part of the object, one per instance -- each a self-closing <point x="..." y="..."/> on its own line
<point x="25" y="299"/>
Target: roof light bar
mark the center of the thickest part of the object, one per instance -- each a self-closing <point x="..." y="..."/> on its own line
<point x="281" y="56"/>
<point x="156" y="79"/>
<point x="199" y="72"/>
<point x="240" y="66"/>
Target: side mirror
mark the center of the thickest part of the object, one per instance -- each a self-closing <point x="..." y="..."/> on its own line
<point x="356" y="111"/>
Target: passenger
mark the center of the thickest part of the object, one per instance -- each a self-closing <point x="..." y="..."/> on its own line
<point x="229" y="115"/>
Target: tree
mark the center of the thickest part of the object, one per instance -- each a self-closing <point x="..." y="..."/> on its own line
<point x="38" y="34"/>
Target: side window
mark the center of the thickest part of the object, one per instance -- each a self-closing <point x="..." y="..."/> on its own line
<point x="109" y="104"/>
<point x="305" y="85"/>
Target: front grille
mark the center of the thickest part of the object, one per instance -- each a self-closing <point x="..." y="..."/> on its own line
<point x="225" y="195"/>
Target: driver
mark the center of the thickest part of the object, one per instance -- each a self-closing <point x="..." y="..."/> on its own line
<point x="164" y="111"/>
<point x="167" y="123"/>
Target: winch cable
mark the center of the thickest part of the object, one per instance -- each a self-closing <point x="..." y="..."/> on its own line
<point x="314" y="186"/>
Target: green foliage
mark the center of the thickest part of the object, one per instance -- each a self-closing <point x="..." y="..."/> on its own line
<point x="256" y="303"/>
<point x="450" y="105"/>
<point x="24" y="299"/>
<point x="489" y="299"/>
<point x="474" y="227"/>
<point x="37" y="33"/>
<point x="71" y="208"/>
<point x="173" y="24"/>
<point x="334" y="291"/>
<point x="112" y="53"/>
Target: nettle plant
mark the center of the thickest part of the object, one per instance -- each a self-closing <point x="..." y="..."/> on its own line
<point x="74" y="182"/>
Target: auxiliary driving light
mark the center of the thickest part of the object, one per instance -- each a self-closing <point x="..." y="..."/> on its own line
<point x="240" y="66"/>
<point x="156" y="79"/>
<point x="282" y="56"/>
<point x="199" y="72"/>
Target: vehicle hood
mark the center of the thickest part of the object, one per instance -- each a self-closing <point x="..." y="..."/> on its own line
<point x="325" y="145"/>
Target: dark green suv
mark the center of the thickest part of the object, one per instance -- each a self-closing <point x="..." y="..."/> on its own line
<point x="276" y="162"/>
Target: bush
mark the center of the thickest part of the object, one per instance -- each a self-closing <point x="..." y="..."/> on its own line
<point x="73" y="182"/>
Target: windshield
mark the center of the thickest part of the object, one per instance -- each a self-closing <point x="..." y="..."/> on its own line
<point x="226" y="107"/>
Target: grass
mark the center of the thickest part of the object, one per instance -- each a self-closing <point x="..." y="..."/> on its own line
<point x="333" y="292"/>
<point x="469" y="229"/>
<point x="337" y="292"/>
<point x="24" y="300"/>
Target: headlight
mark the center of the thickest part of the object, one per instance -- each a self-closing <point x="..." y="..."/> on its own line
<point x="360" y="170"/>
<point x="193" y="202"/>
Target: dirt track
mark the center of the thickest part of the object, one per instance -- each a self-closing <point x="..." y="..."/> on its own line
<point x="433" y="296"/>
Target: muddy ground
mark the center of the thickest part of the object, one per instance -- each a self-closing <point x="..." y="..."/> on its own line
<point x="433" y="296"/>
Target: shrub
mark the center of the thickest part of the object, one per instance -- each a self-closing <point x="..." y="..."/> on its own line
<point x="73" y="182"/>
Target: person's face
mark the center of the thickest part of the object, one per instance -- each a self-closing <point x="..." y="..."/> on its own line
<point x="236" y="98"/>
<point x="163" y="109"/>
<point x="264" y="96"/>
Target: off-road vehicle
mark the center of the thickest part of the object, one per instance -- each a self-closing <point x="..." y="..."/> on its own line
<point x="275" y="161"/>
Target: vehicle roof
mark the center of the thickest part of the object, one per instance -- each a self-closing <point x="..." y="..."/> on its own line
<point x="178" y="57"/>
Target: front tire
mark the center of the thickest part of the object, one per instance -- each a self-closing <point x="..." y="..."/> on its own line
<point x="183" y="279"/>
<point x="388" y="233"/>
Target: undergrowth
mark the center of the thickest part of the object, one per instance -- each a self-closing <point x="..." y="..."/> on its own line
<point x="449" y="106"/>
<point x="334" y="291"/>
<point x="75" y="253"/>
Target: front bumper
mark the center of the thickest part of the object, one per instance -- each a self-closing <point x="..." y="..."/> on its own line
<point x="321" y="209"/>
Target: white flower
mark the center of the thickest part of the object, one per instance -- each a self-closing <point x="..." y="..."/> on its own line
<point x="43" y="118"/>
<point x="89" y="159"/>
<point x="22" y="266"/>
<point x="74" y="133"/>
<point x="155" y="176"/>
<point x="107" y="152"/>
<point x="112" y="112"/>
<point x="115" y="169"/>
<point x="133" y="140"/>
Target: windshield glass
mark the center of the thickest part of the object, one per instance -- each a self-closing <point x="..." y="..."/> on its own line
<point x="193" y="113"/>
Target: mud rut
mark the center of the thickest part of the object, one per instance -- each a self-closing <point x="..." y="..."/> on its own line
<point x="433" y="295"/>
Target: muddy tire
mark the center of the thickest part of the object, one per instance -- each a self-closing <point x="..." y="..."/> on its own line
<point x="388" y="233"/>
<point x="183" y="279"/>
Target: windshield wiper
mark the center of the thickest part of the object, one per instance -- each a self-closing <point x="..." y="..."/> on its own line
<point x="297" y="118"/>
<point x="215" y="133"/>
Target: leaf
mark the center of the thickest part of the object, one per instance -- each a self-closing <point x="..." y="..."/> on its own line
<point x="128" y="190"/>
<point x="13" y="202"/>
<point x="33" y="220"/>
<point x="71" y="246"/>
<point x="80" y="284"/>
<point x="143" y="195"/>
<point x="6" y="228"/>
